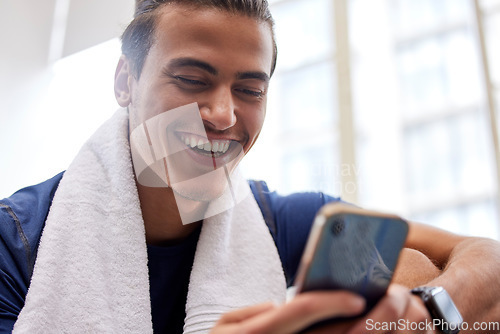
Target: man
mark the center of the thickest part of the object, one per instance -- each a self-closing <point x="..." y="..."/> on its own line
<point x="93" y="271"/>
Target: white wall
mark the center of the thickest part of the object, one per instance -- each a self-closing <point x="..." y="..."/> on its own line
<point x="29" y="83"/>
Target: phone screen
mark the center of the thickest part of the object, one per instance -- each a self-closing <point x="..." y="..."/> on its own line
<point x="358" y="253"/>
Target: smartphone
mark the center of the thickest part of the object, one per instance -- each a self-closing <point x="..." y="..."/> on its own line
<point x="351" y="249"/>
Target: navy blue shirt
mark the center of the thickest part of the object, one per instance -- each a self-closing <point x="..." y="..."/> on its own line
<point x="23" y="215"/>
<point x="169" y="271"/>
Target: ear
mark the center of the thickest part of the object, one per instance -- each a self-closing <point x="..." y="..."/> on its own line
<point x="123" y="77"/>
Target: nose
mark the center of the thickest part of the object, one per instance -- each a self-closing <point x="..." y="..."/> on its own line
<point x="219" y="110"/>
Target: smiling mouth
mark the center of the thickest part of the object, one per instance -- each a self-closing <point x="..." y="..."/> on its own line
<point x="209" y="148"/>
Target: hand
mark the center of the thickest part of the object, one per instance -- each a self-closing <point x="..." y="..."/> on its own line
<point x="406" y="312"/>
<point x="399" y="307"/>
<point x="414" y="269"/>
<point x="304" y="310"/>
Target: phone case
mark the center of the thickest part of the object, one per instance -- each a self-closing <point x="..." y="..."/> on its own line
<point x="351" y="249"/>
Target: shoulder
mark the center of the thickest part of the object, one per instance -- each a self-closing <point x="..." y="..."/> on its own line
<point x="23" y="214"/>
<point x="297" y="210"/>
<point x="289" y="219"/>
<point x="22" y="217"/>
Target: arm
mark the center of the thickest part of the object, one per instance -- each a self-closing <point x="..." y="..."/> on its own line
<point x="10" y="301"/>
<point x="13" y="269"/>
<point x="22" y="217"/>
<point x="469" y="269"/>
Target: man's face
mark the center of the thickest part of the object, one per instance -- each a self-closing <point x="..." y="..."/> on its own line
<point x="218" y="60"/>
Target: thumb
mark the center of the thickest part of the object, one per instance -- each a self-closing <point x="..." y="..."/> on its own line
<point x="306" y="309"/>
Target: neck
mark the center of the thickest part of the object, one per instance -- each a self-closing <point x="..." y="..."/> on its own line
<point x="162" y="220"/>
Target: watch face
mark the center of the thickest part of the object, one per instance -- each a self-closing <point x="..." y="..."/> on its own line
<point x="446" y="310"/>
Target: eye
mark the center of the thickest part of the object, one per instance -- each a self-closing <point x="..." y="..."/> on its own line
<point x="252" y="92"/>
<point x="189" y="81"/>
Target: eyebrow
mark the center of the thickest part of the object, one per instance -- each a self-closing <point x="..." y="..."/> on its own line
<point x="253" y="75"/>
<point x="191" y="62"/>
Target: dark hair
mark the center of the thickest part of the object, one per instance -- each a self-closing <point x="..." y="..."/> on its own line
<point x="138" y="37"/>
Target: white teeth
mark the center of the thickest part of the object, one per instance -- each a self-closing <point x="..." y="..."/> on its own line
<point x="200" y="144"/>
<point x="214" y="146"/>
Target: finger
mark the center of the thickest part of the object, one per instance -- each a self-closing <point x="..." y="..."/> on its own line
<point x="245" y="313"/>
<point x="417" y="318"/>
<point x="306" y="309"/>
<point x="388" y="311"/>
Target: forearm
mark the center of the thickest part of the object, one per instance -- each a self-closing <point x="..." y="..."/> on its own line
<point x="471" y="276"/>
<point x="469" y="269"/>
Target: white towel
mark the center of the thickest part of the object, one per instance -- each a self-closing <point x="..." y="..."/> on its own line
<point x="91" y="273"/>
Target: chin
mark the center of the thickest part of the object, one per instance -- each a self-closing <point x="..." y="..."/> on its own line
<point x="205" y="188"/>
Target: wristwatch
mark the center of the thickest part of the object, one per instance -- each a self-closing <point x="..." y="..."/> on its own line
<point x="443" y="311"/>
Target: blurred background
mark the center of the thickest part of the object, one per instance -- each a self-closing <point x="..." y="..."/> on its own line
<point x="391" y="104"/>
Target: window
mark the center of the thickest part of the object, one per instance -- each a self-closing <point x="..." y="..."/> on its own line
<point x="423" y="139"/>
<point x="298" y="144"/>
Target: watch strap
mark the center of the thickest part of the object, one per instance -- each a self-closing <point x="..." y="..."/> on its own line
<point x="423" y="291"/>
<point x="427" y="294"/>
